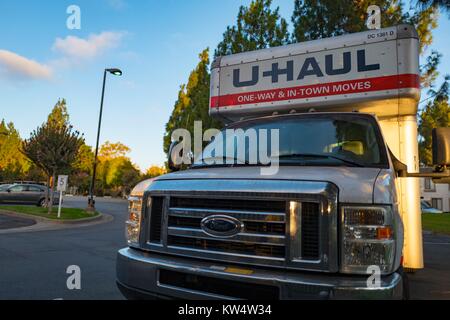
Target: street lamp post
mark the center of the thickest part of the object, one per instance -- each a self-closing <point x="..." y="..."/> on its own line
<point x="91" y="201"/>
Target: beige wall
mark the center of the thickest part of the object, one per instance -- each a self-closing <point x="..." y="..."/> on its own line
<point x="429" y="191"/>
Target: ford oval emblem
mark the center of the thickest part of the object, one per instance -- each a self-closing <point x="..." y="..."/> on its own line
<point x="221" y="226"/>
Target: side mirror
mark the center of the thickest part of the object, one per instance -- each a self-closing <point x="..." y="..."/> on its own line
<point x="441" y="146"/>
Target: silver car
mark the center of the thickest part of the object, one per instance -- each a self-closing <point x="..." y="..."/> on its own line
<point x="426" y="208"/>
<point x="25" y="193"/>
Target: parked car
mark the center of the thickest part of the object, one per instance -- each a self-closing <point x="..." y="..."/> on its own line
<point x="426" y="208"/>
<point x="4" y="186"/>
<point x="25" y="193"/>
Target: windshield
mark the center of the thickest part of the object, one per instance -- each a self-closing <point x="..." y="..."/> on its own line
<point x="325" y="140"/>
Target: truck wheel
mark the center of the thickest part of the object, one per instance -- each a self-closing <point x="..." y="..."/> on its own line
<point x="405" y="282"/>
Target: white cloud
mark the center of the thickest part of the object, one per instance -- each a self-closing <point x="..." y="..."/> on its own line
<point x="84" y="49"/>
<point x="16" y="66"/>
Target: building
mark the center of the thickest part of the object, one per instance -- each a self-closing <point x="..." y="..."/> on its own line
<point x="437" y="195"/>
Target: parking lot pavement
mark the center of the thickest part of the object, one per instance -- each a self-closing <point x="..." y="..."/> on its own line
<point x="11" y="222"/>
<point x="433" y="282"/>
<point x="33" y="264"/>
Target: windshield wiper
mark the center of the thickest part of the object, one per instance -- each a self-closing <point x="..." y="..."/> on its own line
<point x="322" y="156"/>
<point x="223" y="160"/>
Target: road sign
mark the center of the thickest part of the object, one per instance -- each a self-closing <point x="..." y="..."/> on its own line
<point x="62" y="183"/>
<point x="61" y="187"/>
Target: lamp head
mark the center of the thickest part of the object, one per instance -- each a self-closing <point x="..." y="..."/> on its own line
<point x="115" y="71"/>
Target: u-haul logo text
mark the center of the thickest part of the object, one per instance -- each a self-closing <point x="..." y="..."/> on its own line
<point x="309" y="67"/>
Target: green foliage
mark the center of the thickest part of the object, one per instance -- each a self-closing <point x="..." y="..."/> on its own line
<point x="66" y="213"/>
<point x="59" y="115"/>
<point x="116" y="173"/>
<point x="113" y="150"/>
<point x="13" y="164"/>
<point x="444" y="5"/>
<point x="424" y="20"/>
<point x="257" y="27"/>
<point x="53" y="147"/>
<point x="154" y="171"/>
<point x="316" y="19"/>
<point x="429" y="71"/>
<point x="192" y="103"/>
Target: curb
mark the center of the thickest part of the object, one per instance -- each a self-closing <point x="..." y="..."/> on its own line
<point x="45" y="224"/>
<point x="48" y="220"/>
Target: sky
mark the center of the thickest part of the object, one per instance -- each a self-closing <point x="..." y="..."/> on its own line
<point x="155" y="42"/>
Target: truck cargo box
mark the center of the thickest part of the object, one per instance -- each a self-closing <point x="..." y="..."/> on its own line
<point x="358" y="71"/>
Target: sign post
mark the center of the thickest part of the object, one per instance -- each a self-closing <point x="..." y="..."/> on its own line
<point x="61" y="186"/>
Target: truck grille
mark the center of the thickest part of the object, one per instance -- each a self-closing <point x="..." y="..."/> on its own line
<point x="229" y="246"/>
<point x="267" y="223"/>
<point x="310" y="230"/>
<point x="264" y="233"/>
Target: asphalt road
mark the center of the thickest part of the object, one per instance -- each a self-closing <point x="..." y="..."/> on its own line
<point x="33" y="264"/>
<point x="433" y="282"/>
<point x="9" y="222"/>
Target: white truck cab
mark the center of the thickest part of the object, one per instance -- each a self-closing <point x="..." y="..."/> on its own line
<point x="339" y="218"/>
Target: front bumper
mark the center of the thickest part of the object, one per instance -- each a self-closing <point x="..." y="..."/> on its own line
<point x="138" y="276"/>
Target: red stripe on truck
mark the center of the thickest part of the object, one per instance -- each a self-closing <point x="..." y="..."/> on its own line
<point x="318" y="90"/>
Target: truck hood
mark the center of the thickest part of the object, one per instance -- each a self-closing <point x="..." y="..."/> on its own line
<point x="356" y="185"/>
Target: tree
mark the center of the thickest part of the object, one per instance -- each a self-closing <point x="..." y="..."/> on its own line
<point x="82" y="169"/>
<point x="315" y="19"/>
<point x="110" y="150"/>
<point x="193" y="103"/>
<point x="128" y="176"/>
<point x="154" y="171"/>
<point x="116" y="173"/>
<point x="53" y="148"/>
<point x="257" y="27"/>
<point x="13" y="164"/>
<point x="59" y="114"/>
<point x="444" y="5"/>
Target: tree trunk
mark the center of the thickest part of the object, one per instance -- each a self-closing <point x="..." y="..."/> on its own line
<point x="50" y="204"/>
<point x="47" y="193"/>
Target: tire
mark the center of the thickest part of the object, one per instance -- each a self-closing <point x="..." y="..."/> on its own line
<point x="405" y="283"/>
<point x="42" y="203"/>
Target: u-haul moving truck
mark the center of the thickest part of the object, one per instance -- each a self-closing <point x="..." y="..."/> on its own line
<point x="342" y="205"/>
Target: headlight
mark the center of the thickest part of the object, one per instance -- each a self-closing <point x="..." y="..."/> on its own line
<point x="367" y="238"/>
<point x="133" y="224"/>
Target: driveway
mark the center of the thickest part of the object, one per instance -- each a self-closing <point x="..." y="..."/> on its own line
<point x="33" y="264"/>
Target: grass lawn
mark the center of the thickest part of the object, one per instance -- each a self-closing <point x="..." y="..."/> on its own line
<point x="66" y="213"/>
<point x="436" y="222"/>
